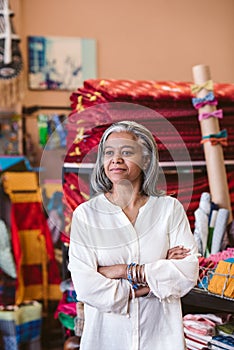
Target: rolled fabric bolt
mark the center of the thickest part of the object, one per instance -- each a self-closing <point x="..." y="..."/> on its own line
<point x="201" y="222"/>
<point x="219" y="230"/>
<point x="213" y="218"/>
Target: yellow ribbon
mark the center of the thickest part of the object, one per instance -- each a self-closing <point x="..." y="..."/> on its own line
<point x="208" y="85"/>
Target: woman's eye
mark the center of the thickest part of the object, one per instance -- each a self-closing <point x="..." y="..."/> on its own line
<point x="108" y="153"/>
<point x="127" y="153"/>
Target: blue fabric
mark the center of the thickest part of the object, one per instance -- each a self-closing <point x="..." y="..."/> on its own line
<point x="8" y="161"/>
<point x="28" y="331"/>
<point x="10" y="343"/>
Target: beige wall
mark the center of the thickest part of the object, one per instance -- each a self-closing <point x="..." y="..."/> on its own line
<point x="151" y="39"/>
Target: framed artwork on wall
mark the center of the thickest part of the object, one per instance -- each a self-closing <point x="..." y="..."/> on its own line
<point x="60" y="63"/>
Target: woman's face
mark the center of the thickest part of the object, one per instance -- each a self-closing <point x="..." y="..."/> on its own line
<point x="123" y="158"/>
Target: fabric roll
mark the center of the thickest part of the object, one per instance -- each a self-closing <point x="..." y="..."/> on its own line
<point x="219" y="230"/>
<point x="201" y="222"/>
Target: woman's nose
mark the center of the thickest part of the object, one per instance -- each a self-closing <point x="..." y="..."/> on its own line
<point x="117" y="158"/>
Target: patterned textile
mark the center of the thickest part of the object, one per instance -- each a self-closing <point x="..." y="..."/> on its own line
<point x="37" y="272"/>
<point x="173" y="100"/>
<point x="20" y="324"/>
<point x="36" y="267"/>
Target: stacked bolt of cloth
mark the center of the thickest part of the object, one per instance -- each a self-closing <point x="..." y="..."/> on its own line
<point x="166" y="109"/>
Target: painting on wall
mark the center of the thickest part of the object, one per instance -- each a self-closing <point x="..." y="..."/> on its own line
<point x="60" y="63"/>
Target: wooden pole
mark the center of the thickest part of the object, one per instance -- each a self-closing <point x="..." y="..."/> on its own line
<point x="216" y="170"/>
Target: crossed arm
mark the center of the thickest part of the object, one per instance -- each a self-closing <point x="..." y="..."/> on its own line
<point x="120" y="270"/>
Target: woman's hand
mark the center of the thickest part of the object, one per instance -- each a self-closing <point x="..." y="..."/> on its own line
<point x="120" y="271"/>
<point x="140" y="292"/>
<point x="178" y="252"/>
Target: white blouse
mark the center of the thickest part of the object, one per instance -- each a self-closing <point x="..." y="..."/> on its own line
<point x="102" y="235"/>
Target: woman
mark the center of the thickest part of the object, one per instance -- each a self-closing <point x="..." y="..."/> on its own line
<point x="132" y="255"/>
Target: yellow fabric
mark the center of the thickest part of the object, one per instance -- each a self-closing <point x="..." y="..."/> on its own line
<point x="36" y="292"/>
<point x="21" y="187"/>
<point x="222" y="282"/>
<point x="25" y="197"/>
<point x="19" y="295"/>
<point x="208" y="85"/>
<point x="20" y="181"/>
<point x="33" y="246"/>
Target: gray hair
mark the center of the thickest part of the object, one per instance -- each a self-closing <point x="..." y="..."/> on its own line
<point x="99" y="180"/>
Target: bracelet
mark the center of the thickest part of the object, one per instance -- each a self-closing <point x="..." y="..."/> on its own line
<point x="136" y="275"/>
<point x="130" y="272"/>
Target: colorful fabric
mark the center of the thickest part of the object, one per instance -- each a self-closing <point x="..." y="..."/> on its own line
<point x="202" y="324"/>
<point x="31" y="239"/>
<point x="222" y="282"/>
<point x="20" y="324"/>
<point x="172" y="100"/>
<point x="222" y="341"/>
<point x="66" y="320"/>
<point x="21" y="186"/>
<point x="29" y="223"/>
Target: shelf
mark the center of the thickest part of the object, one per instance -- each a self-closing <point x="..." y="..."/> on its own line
<point x="199" y="298"/>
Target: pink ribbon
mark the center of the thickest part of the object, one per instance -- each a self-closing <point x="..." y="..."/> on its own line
<point x="216" y="114"/>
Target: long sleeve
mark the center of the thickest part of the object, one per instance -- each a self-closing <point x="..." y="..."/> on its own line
<point x="107" y="295"/>
<point x="175" y="278"/>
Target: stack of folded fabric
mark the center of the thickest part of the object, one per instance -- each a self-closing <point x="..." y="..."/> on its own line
<point x="172" y="100"/>
<point x="224" y="338"/>
<point x="199" y="329"/>
<point x="222" y="342"/>
<point x="208" y="265"/>
<point x="165" y="108"/>
<point x="21" y="325"/>
<point x="222" y="281"/>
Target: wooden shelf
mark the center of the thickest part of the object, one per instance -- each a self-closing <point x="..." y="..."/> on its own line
<point x="199" y="298"/>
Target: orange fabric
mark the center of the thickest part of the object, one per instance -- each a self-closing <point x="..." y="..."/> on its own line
<point x="222" y="282"/>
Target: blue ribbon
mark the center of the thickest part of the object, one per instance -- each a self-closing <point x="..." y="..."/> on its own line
<point x="219" y="135"/>
<point x="208" y="98"/>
